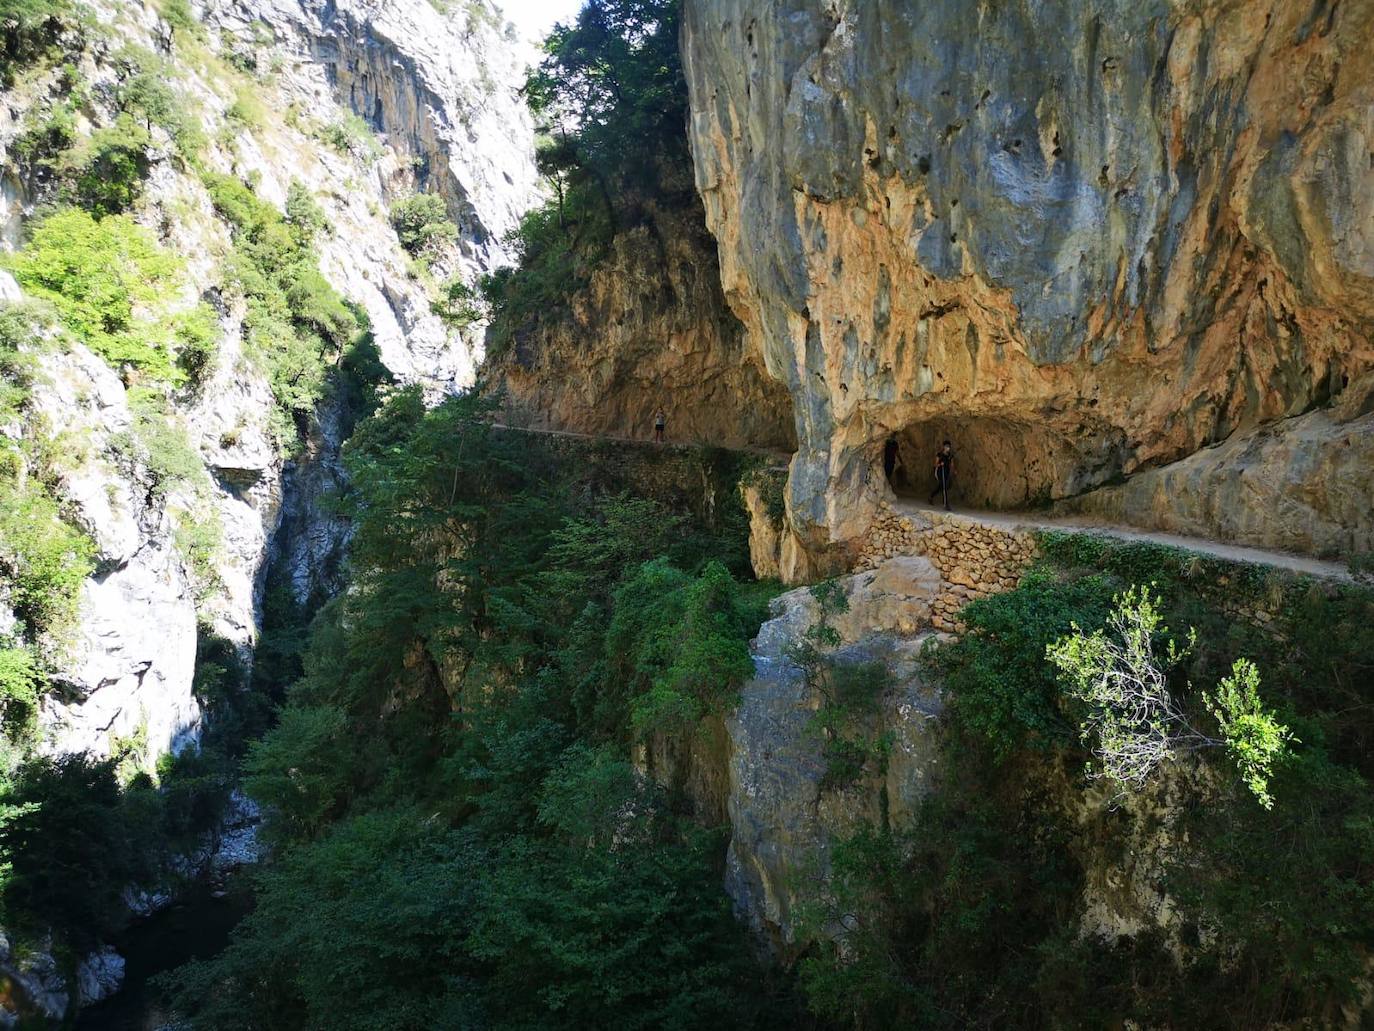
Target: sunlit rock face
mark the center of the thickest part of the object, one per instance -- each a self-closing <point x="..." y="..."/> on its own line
<point x="1083" y="240"/>
<point x="650" y="331"/>
<point x="441" y="92"/>
<point x="438" y="96"/>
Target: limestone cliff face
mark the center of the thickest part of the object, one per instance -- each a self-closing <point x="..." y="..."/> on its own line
<point x="440" y="93"/>
<point x="1085" y="240"/>
<point x="650" y="330"/>
<point x="784" y="817"/>
<point x="464" y="131"/>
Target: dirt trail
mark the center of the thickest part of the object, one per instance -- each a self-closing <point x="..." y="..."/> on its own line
<point x="1012" y="520"/>
<point x="1233" y="552"/>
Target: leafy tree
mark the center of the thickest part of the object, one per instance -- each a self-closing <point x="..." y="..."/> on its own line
<point x="1133" y="717"/>
<point x="459" y="305"/>
<point x="110" y="284"/>
<point x="72" y="844"/>
<point x="612" y="102"/>
<point x="676" y="646"/>
<point x="421" y="222"/>
<point x="295" y="771"/>
<point x="999" y="684"/>
<point x="146" y="93"/>
<point x="304" y="214"/>
<point x="361" y="929"/>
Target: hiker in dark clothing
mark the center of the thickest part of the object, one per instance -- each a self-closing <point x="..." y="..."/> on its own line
<point x="890" y="458"/>
<point x="944" y="473"/>
<point x="660" y="421"/>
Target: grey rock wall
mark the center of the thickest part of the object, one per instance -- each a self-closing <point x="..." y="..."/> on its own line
<point x="451" y="122"/>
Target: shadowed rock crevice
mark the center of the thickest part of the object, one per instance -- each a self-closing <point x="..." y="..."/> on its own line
<point x="1001" y="462"/>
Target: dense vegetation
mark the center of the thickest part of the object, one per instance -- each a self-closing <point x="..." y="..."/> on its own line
<point x="972" y="917"/>
<point x="613" y="107"/>
<point x="491" y="857"/>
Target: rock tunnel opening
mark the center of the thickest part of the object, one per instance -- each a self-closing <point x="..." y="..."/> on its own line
<point x="999" y="463"/>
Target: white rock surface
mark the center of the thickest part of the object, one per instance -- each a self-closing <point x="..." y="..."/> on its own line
<point x="442" y="90"/>
<point x="99" y="976"/>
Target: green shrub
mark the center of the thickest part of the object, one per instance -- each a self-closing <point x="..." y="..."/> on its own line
<point x="459" y="305"/>
<point x="198" y="537"/>
<point x="22" y="325"/>
<point x="197" y="343"/>
<point x="246" y="111"/>
<point x="29" y="32"/>
<point x="106" y="171"/>
<point x="20" y="684"/>
<point x="304" y="213"/>
<point x="146" y="92"/>
<point x="43" y="560"/>
<point x="353" y="135"/>
<point x="179" y="15"/>
<point x="110" y="284"/>
<point x="45" y="137"/>
<point x="421" y="222"/>
<point x="155" y="450"/>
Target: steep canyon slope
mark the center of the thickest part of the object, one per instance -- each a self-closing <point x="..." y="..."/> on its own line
<point x="1134" y="268"/>
<point x="352" y="105"/>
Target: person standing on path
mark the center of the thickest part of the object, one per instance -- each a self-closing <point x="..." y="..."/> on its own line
<point x="660" y="421"/>
<point x="944" y="473"/>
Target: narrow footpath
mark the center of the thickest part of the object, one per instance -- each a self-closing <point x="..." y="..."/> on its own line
<point x="1076" y="524"/>
<point x="1029" y="520"/>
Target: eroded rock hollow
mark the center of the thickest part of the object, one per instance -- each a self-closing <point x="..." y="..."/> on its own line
<point x="1152" y="243"/>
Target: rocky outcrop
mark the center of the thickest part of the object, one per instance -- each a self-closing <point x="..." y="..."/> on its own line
<point x="1081" y="262"/>
<point x="650" y="330"/>
<point x="128" y="674"/>
<point x="1304" y="485"/>
<point x="783" y="819"/>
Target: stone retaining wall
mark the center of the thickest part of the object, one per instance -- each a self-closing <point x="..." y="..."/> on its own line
<point x="974" y="559"/>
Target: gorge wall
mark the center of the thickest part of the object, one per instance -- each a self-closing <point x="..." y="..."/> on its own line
<point x="1144" y="255"/>
<point x="440" y="95"/>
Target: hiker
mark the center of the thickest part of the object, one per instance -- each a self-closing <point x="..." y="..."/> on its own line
<point x="890" y="458"/>
<point x="660" y="421"/>
<point x="944" y="473"/>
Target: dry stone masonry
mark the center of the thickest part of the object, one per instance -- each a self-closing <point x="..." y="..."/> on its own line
<point x="973" y="558"/>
